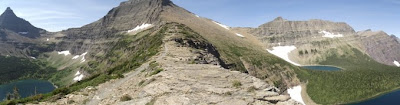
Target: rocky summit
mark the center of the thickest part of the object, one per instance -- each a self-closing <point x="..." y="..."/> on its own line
<point x="9" y="21"/>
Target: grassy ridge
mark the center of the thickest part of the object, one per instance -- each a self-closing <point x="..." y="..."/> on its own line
<point x="249" y="58"/>
<point x="362" y="78"/>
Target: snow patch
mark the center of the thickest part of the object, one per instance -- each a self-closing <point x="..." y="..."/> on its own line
<point x="197" y="16"/>
<point x="24" y="33"/>
<point x="330" y="35"/>
<point x="33" y="57"/>
<point x="47" y="39"/>
<point x="82" y="55"/>
<point x="78" y="76"/>
<point x="283" y="52"/>
<point x="77" y="73"/>
<point x="223" y="26"/>
<point x="240" y="35"/>
<point x="64" y="53"/>
<point x="140" y="27"/>
<point x="396" y="63"/>
<point x="76" y="57"/>
<point x="295" y="94"/>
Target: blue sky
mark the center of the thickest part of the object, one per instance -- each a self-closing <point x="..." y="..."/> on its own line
<point x="55" y="15"/>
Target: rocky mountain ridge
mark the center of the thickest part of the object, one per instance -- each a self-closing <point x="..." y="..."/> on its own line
<point x="10" y="21"/>
<point x="311" y="34"/>
<point x="18" y="37"/>
<point x="381" y="47"/>
<point x="281" y="30"/>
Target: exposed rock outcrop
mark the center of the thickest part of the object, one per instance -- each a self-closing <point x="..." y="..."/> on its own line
<point x="284" y="31"/>
<point x="380" y="46"/>
<point x="10" y="21"/>
<point x="97" y="36"/>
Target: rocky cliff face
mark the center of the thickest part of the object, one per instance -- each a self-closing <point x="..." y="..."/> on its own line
<point x="280" y="30"/>
<point x="99" y="35"/>
<point x="18" y="36"/>
<point x="10" y="21"/>
<point x="380" y="46"/>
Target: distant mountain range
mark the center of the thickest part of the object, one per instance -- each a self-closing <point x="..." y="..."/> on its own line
<point x="168" y="55"/>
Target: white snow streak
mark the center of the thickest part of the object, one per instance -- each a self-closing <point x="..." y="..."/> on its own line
<point x="240" y="35"/>
<point x="82" y="56"/>
<point x="64" y="53"/>
<point x="76" y="57"/>
<point x="396" y="63"/>
<point x="78" y="76"/>
<point x="295" y="94"/>
<point x="283" y="52"/>
<point x="223" y="26"/>
<point x="33" y="57"/>
<point x="77" y="73"/>
<point x="330" y="35"/>
<point x="140" y="27"/>
<point x="24" y="33"/>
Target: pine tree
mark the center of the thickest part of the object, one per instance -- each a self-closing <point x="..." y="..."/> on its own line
<point x="8" y="96"/>
<point x="16" y="93"/>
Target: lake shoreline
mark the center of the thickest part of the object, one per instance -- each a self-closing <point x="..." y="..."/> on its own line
<point x="374" y="96"/>
<point x="27" y="87"/>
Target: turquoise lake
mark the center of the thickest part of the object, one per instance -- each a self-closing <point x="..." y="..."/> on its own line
<point x="327" y="68"/>
<point x="26" y="88"/>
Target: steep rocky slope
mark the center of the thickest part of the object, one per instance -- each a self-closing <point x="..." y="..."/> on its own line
<point x="9" y="21"/>
<point x="18" y="37"/>
<point x="381" y="47"/>
<point x="292" y="32"/>
<point x="97" y="36"/>
<point x="314" y="38"/>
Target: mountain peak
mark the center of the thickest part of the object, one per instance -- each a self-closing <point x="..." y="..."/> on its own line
<point x="8" y="8"/>
<point x="162" y="2"/>
<point x="9" y="12"/>
<point x="279" y="19"/>
<point x="10" y="21"/>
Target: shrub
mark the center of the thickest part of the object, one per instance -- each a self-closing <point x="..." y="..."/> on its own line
<point x="251" y="89"/>
<point x="156" y="71"/>
<point x="236" y="84"/>
<point x="126" y="98"/>
<point x="141" y="83"/>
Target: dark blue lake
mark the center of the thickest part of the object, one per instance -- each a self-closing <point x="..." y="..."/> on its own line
<point x="26" y="88"/>
<point x="327" y="68"/>
<point x="392" y="98"/>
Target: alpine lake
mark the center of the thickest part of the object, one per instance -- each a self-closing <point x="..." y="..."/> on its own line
<point x="26" y="88"/>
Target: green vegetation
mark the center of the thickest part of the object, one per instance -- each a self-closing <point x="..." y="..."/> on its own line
<point x="137" y="50"/>
<point x="152" y="101"/>
<point x="236" y="84"/>
<point x="156" y="71"/>
<point x="362" y="78"/>
<point x="14" y="68"/>
<point x="153" y="66"/>
<point x="125" y="98"/>
<point x="251" y="89"/>
<point x="14" y="95"/>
